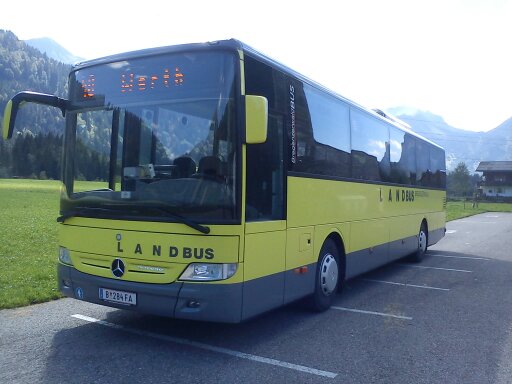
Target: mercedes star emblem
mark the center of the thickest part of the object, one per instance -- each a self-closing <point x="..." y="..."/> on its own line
<point x="118" y="268"/>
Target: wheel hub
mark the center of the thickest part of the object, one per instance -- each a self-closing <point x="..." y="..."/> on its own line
<point x="422" y="241"/>
<point x="329" y="274"/>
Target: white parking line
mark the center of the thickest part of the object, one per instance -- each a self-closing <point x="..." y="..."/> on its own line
<point x="470" y="221"/>
<point x="462" y="257"/>
<point x="438" y="268"/>
<point x="450" y="231"/>
<point x="211" y="348"/>
<point x="406" y="284"/>
<point x="372" y="313"/>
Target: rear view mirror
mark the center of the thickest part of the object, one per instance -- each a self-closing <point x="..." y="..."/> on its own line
<point x="256" y="119"/>
<point x="8" y="124"/>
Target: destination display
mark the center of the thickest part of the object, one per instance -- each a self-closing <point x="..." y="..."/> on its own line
<point x="172" y="76"/>
<point x="137" y="82"/>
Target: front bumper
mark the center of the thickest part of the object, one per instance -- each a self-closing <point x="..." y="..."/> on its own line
<point x="194" y="301"/>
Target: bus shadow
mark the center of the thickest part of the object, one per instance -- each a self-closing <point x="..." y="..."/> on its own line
<point x="128" y="344"/>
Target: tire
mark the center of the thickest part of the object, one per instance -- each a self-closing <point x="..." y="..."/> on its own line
<point x="419" y="255"/>
<point x="327" y="278"/>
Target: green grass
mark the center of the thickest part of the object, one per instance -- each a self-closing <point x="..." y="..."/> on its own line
<point x="28" y="241"/>
<point x="457" y="209"/>
<point x="28" y="238"/>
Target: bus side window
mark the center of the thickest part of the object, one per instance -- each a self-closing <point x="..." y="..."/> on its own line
<point x="423" y="173"/>
<point x="438" y="167"/>
<point x="370" y="147"/>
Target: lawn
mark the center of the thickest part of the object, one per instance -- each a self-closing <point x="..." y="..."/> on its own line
<point x="28" y="238"/>
<point x="28" y="241"/>
<point x="459" y="209"/>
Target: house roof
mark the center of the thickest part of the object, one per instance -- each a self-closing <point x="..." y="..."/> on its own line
<point x="486" y="166"/>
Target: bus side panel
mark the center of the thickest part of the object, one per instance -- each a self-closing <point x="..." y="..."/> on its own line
<point x="300" y="263"/>
<point x="264" y="265"/>
<point x="368" y="233"/>
<point x="364" y="260"/>
<point x="319" y="201"/>
<point x="369" y="246"/>
<point x="403" y="235"/>
<point x="382" y="221"/>
<point x="436" y="227"/>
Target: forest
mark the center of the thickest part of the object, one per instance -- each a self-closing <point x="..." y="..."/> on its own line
<point x="36" y="148"/>
<point x="23" y="68"/>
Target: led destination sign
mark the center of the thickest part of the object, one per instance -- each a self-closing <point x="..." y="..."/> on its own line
<point x="130" y="82"/>
<point x="171" y="76"/>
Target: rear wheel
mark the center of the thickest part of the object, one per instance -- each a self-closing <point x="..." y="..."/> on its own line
<point x="327" y="277"/>
<point x="419" y="255"/>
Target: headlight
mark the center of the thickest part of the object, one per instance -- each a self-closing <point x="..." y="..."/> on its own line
<point x="64" y="256"/>
<point x="208" y="272"/>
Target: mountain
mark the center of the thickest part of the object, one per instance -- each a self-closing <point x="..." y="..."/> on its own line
<point x="502" y="130"/>
<point x="24" y="68"/>
<point x="460" y="145"/>
<point x="54" y="50"/>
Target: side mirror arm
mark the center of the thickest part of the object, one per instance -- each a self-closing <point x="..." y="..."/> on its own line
<point x="13" y="105"/>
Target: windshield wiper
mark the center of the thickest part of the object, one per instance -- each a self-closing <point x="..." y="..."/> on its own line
<point x="84" y="211"/>
<point x="182" y="219"/>
<point x="96" y="212"/>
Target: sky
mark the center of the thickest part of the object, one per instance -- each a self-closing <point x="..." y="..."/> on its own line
<point x="450" y="57"/>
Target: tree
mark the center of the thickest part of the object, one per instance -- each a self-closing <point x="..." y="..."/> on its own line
<point x="36" y="146"/>
<point x="459" y="181"/>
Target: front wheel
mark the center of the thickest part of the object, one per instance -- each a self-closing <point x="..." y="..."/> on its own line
<point x="327" y="277"/>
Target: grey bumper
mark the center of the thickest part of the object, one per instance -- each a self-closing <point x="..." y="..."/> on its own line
<point x="206" y="302"/>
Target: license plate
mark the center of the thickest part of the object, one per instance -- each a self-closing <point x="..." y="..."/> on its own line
<point x="119" y="297"/>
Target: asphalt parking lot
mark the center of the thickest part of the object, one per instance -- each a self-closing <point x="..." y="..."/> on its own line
<point x="445" y="320"/>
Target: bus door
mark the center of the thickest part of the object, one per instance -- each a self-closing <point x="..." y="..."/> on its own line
<point x="265" y="241"/>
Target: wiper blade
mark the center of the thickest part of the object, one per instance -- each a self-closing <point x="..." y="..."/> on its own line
<point x="83" y="211"/>
<point x="182" y="219"/>
<point x="96" y="212"/>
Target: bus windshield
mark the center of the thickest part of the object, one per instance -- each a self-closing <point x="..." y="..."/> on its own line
<point x="152" y="137"/>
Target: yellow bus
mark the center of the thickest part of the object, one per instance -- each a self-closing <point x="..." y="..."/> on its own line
<point x="210" y="182"/>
